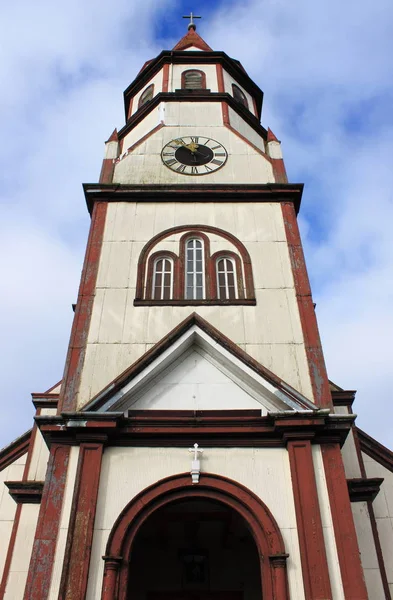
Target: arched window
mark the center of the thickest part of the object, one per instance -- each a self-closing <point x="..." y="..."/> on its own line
<point x="189" y="274"/>
<point x="146" y="95"/>
<point x="226" y="279"/>
<point x="239" y="96"/>
<point x="195" y="270"/>
<point x="193" y="80"/>
<point x="162" y="287"/>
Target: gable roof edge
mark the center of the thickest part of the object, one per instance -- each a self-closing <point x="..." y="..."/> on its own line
<point x="375" y="450"/>
<point x="167" y="341"/>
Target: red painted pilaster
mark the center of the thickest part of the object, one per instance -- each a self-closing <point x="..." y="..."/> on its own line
<point x="74" y="578"/>
<point x="41" y="562"/>
<point x="308" y="320"/>
<point x="80" y="327"/>
<point x="10" y="551"/>
<point x="165" y="78"/>
<point x="279" y="171"/>
<point x="344" y="527"/>
<point x="107" y="169"/>
<point x="111" y="576"/>
<point x="312" y="546"/>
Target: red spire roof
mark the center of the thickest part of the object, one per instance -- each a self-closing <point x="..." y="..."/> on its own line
<point x="271" y="137"/>
<point x="113" y="137"/>
<point x="192" y="39"/>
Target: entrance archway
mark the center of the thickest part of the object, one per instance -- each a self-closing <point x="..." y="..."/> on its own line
<point x="162" y="498"/>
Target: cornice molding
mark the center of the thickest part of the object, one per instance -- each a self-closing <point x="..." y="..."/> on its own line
<point x="15" y="450"/>
<point x="343" y="397"/>
<point x="375" y="450"/>
<point x="364" y="489"/>
<point x="25" y="492"/>
<point x="195" y="96"/>
<point x="267" y="192"/>
<point x="243" y="428"/>
<point x="232" y="66"/>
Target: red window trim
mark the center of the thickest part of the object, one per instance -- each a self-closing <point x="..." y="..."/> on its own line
<point x="239" y="274"/>
<point x="183" y="79"/>
<point x="245" y="103"/>
<point x="143" y="294"/>
<point x="145" y="90"/>
<point x="194" y="234"/>
<point x="268" y="538"/>
<point x="150" y="273"/>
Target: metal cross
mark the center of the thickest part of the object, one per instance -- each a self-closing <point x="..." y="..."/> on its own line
<point x="195" y="450"/>
<point x="191" y="17"/>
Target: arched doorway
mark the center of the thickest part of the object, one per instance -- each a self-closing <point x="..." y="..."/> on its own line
<point x="133" y="533"/>
<point x="198" y="550"/>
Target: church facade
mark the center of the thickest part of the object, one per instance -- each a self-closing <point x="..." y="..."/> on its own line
<point x="195" y="448"/>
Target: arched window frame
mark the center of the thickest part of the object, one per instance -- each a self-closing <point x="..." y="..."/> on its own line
<point x="239" y="95"/>
<point x="244" y="276"/>
<point x="184" y="78"/>
<point x="237" y="262"/>
<point x="142" y="102"/>
<point x="194" y="273"/>
<point x="151" y="273"/>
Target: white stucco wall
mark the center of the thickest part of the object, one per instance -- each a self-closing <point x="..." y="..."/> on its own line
<point x="245" y="130"/>
<point x="13" y="472"/>
<point x="144" y="164"/>
<point x="383" y="510"/>
<point x="22" y="552"/>
<point x="120" y="333"/>
<point x="228" y="80"/>
<point x="368" y="553"/>
<point x="209" y="70"/>
<point x="64" y="523"/>
<point x="156" y="80"/>
<point x="127" y="471"/>
<point x="327" y="526"/>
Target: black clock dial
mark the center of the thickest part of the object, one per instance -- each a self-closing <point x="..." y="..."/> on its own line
<point x="200" y="156"/>
<point x="194" y="155"/>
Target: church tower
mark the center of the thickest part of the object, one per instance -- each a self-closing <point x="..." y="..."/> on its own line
<point x="195" y="448"/>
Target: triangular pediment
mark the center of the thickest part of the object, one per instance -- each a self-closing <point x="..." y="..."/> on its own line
<point x="196" y="368"/>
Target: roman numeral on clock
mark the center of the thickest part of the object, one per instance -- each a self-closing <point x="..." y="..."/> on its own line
<point x="195" y="140"/>
<point x="194" y="170"/>
<point x="217" y="162"/>
<point x="171" y="162"/>
<point x="181" y="168"/>
<point x="219" y="154"/>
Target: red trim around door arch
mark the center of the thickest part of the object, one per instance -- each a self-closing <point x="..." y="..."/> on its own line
<point x="259" y="519"/>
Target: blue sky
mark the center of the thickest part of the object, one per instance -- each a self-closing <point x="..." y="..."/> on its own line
<point x="326" y="71"/>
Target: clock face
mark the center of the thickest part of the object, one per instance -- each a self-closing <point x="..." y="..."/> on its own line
<point x="194" y="155"/>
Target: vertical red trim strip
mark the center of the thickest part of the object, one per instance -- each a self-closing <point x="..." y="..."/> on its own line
<point x="377" y="542"/>
<point x="41" y="562"/>
<point x="18" y="511"/>
<point x="220" y="79"/>
<point x="373" y="522"/>
<point x="313" y="347"/>
<point x="344" y="528"/>
<point x="80" y="327"/>
<point x="107" y="170"/>
<point x="165" y="78"/>
<point x="312" y="546"/>
<point x="80" y="532"/>
<point x="10" y="551"/>
<point x="279" y="172"/>
<point x="225" y="114"/>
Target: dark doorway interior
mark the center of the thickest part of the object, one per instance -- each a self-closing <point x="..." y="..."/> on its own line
<point x="194" y="550"/>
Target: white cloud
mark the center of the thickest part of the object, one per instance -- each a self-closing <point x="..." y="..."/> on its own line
<point x="326" y="72"/>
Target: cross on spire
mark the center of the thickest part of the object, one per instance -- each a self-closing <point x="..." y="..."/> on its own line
<point x="191" y="24"/>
